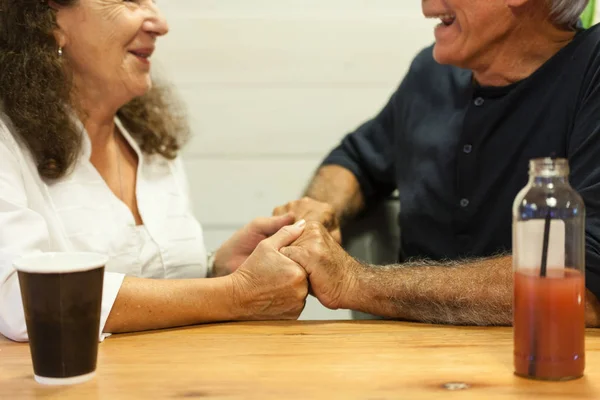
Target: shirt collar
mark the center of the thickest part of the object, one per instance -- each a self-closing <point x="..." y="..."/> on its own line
<point x="86" y="150"/>
<point x="132" y="142"/>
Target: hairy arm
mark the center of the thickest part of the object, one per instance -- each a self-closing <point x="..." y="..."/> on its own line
<point x="475" y="292"/>
<point x="338" y="187"/>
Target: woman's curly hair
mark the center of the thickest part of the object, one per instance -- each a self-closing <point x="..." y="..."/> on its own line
<point x="35" y="87"/>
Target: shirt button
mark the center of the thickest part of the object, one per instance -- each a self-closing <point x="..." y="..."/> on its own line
<point x="464" y="203"/>
<point x="467" y="148"/>
<point x="479" y="101"/>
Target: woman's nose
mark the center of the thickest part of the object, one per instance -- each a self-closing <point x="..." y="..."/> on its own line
<point x="156" y="23"/>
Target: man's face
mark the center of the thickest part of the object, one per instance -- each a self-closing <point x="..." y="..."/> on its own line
<point x="467" y="29"/>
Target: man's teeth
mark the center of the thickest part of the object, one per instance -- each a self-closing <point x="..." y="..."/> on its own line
<point x="443" y="16"/>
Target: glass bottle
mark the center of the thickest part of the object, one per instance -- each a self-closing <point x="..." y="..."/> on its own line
<point x="549" y="275"/>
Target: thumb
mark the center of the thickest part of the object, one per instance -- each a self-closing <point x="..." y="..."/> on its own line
<point x="298" y="255"/>
<point x="286" y="235"/>
<point x="268" y="226"/>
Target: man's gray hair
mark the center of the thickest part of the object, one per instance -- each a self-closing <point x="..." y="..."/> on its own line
<point x="567" y="12"/>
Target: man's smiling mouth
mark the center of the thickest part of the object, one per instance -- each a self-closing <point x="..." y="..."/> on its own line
<point x="446" y="19"/>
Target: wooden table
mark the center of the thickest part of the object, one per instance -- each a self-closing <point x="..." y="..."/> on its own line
<point x="367" y="360"/>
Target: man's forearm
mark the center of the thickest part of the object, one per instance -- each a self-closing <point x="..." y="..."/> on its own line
<point x="338" y="187"/>
<point x="476" y="292"/>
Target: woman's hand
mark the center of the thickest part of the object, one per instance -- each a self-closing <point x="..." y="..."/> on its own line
<point x="268" y="285"/>
<point x="238" y="248"/>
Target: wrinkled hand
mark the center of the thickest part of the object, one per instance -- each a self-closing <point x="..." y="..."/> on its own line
<point x="313" y="210"/>
<point x="238" y="248"/>
<point x="331" y="271"/>
<point x="268" y="285"/>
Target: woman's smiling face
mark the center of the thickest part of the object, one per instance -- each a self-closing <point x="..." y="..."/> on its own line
<point x="108" y="43"/>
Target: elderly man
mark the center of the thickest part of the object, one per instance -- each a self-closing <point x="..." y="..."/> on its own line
<point x="505" y="82"/>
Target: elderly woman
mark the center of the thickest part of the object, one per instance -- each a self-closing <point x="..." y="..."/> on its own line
<point x="88" y="162"/>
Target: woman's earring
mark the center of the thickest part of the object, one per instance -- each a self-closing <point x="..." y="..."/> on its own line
<point x="60" y="52"/>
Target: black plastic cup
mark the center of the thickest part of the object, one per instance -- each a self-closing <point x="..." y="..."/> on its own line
<point x="62" y="300"/>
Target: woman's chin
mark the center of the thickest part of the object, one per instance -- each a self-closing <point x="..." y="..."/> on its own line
<point x="142" y="88"/>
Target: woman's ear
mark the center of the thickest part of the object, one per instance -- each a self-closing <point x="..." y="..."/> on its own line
<point x="59" y="33"/>
<point x="53" y="5"/>
<point x="61" y="38"/>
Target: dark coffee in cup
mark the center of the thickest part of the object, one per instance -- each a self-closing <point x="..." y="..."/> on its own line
<point x="62" y="299"/>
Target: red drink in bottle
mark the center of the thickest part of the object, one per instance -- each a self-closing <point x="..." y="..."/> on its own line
<point x="549" y="275"/>
<point x="549" y="333"/>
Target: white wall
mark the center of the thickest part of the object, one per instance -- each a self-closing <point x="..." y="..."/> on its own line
<point x="271" y="86"/>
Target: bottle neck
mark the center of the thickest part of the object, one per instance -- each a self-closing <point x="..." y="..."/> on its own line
<point x="545" y="181"/>
<point x="548" y="171"/>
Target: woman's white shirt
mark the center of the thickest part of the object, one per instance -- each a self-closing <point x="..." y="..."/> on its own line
<point x="80" y="213"/>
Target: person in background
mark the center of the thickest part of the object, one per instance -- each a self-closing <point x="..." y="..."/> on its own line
<point x="506" y="81"/>
<point x="89" y="162"/>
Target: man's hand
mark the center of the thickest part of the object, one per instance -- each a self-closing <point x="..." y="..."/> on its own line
<point x="268" y="285"/>
<point x="313" y="210"/>
<point x="332" y="272"/>
<point x="238" y="248"/>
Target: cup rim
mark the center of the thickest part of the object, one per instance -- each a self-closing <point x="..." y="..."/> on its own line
<point x="59" y="262"/>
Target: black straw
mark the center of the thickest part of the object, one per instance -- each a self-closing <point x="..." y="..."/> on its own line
<point x="543" y="274"/>
<point x="544" y="269"/>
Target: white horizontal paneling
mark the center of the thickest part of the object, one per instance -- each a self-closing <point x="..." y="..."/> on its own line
<point x="229" y="193"/>
<point x="271" y="86"/>
<point x="215" y="237"/>
<point x="299" y="8"/>
<point x="267" y="51"/>
<point x="276" y="121"/>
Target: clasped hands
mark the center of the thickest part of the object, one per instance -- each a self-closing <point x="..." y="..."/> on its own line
<point x="273" y="264"/>
<point x="331" y="271"/>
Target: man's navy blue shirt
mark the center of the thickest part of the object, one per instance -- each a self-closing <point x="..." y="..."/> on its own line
<point x="459" y="153"/>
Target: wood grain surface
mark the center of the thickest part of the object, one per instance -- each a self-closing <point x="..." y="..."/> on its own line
<point x="367" y="360"/>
